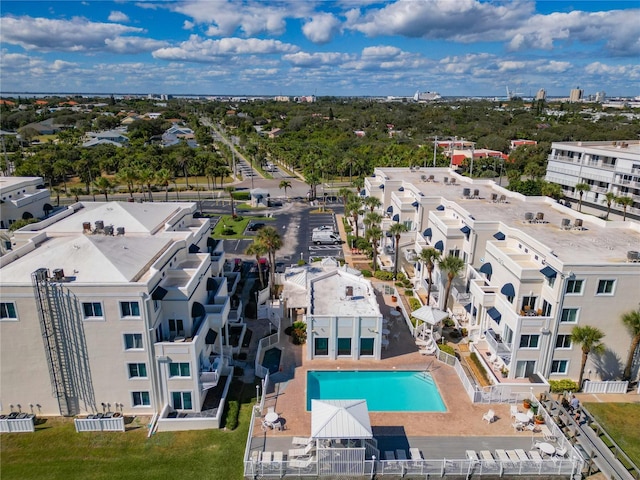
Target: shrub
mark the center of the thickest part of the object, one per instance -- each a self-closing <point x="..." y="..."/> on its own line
<point x="566" y="385"/>
<point x="228" y="231"/>
<point x="447" y="349"/>
<point x="382" y="275"/>
<point x="407" y="283"/>
<point x="479" y="367"/>
<point x="241" y="195"/>
<point x="414" y="303"/>
<point x="232" y="415"/>
<point x="238" y="218"/>
<point x="447" y="322"/>
<point x="408" y="292"/>
<point x="301" y="262"/>
<point x="398" y="284"/>
<point x="299" y="333"/>
<point x="367" y="273"/>
<point x="401" y="277"/>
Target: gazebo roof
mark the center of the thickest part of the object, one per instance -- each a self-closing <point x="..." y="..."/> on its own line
<point x="340" y="419"/>
<point x="429" y="315"/>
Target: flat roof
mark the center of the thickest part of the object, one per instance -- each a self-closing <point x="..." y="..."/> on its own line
<point x="611" y="147"/>
<point x="9" y="183"/>
<point x="343" y="294"/>
<point x="594" y="244"/>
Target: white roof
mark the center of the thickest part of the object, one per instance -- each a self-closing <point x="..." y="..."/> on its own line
<point x="429" y="315"/>
<point x="344" y="419"/>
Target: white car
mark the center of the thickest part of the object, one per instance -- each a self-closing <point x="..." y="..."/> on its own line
<point x="324" y="228"/>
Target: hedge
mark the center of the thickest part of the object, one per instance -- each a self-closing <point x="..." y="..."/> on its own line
<point x="560" y="386"/>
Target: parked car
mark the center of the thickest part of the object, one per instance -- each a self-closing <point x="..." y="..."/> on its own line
<point x="255" y="226"/>
<point x="324" y="228"/>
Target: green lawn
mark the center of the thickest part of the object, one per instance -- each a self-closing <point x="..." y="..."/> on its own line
<point x="622" y="423"/>
<point x="238" y="224"/>
<point x="56" y="451"/>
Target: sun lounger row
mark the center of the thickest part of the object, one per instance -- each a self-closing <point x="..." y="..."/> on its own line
<point x="505" y="456"/>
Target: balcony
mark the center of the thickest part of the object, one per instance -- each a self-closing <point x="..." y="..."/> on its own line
<point x="497" y="346"/>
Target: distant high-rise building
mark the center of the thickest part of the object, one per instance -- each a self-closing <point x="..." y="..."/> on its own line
<point x="541" y="95"/>
<point x="576" y="94"/>
<point x="601" y="97"/>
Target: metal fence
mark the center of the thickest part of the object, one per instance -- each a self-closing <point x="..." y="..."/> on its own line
<point x="15" y="425"/>
<point x="110" y="424"/>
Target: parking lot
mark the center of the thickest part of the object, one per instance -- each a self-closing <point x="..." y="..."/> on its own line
<point x="318" y="220"/>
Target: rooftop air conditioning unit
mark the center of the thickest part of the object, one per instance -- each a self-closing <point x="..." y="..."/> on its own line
<point x="528" y="216"/>
<point x="633" y="256"/>
<point x="58" y="274"/>
<point x="86" y="227"/>
<point x="108" y="230"/>
<point x="99" y="225"/>
<point x="120" y="231"/>
<point x="565" y="223"/>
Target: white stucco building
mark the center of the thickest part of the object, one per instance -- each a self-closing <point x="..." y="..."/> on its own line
<point x="117" y="306"/>
<point x="535" y="268"/>
<point x="22" y="198"/>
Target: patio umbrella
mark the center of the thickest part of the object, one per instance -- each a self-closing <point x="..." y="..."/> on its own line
<point x="340" y="419"/>
<point x="429" y="315"/>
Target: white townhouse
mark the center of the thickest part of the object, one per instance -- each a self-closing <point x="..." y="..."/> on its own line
<point x="119" y="307"/>
<point x="22" y="198"/>
<point x="604" y="166"/>
<point x="535" y="269"/>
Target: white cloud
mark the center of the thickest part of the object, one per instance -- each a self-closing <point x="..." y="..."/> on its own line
<point x="188" y="25"/>
<point x="117" y="16"/>
<point x="304" y="59"/>
<point x="553" y="66"/>
<point x="381" y="52"/>
<point x="321" y="28"/>
<point x="197" y="49"/>
<point x="133" y="45"/>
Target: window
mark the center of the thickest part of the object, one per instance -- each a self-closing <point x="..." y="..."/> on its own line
<point x="8" y="311"/>
<point x="179" y="369"/>
<point x="129" y="309"/>
<point x="92" y="309"/>
<point x="529" y="341"/>
<point x="507" y="335"/>
<point x="344" y="346"/>
<point x="569" y="315"/>
<point x="132" y="341"/>
<point x="559" y="366"/>
<point x="156" y="305"/>
<point x="137" y="370"/>
<point x="181" y="400"/>
<point x="366" y="346"/>
<point x="176" y="327"/>
<point x="574" y="286"/>
<point x="563" y="341"/>
<point x="546" y="309"/>
<point x="551" y="281"/>
<point x="529" y="303"/>
<point x="605" y="287"/>
<point x="140" y="399"/>
<point x="321" y="346"/>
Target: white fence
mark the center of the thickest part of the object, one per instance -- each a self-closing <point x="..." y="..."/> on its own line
<point x="605" y="387"/>
<point x="15" y="425"/>
<point x="110" y="424"/>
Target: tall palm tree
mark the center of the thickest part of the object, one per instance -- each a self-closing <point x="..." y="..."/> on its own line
<point x="396" y="230"/>
<point x="146" y="177"/>
<point x="129" y="177"/>
<point x="270" y="239"/>
<point x="354" y="207"/>
<point x="581" y="188"/>
<point x="372" y="203"/>
<point x="624" y="202"/>
<point x="76" y="192"/>
<point x="163" y="177"/>
<point x="373" y="235"/>
<point x="284" y="184"/>
<point x="258" y="249"/>
<point x="103" y="185"/>
<point x="429" y="257"/>
<point x="609" y="198"/>
<point x="452" y="266"/>
<point x="230" y="191"/>
<point x="345" y="193"/>
<point x="372" y="219"/>
<point x="632" y="321"/>
<point x="589" y="339"/>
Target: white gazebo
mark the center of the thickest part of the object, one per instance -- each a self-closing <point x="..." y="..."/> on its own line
<point x="429" y="315"/>
<point x="341" y="429"/>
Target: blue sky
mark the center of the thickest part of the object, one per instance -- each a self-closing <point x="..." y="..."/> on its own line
<point x="298" y="47"/>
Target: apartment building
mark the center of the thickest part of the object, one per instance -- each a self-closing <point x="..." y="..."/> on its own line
<point x="119" y="306"/>
<point x="604" y="166"/>
<point x="23" y="198"/>
<point x="535" y="269"/>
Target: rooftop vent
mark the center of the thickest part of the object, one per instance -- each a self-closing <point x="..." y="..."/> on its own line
<point x="476" y="193"/>
<point x="528" y="216"/>
<point x="633" y="256"/>
<point x="86" y="227"/>
<point x="120" y="231"/>
<point x="348" y="291"/>
<point x="466" y="192"/>
<point x="99" y="225"/>
<point x="578" y="223"/>
<point x="58" y="274"/>
<point x="108" y="230"/>
<point x="566" y="223"/>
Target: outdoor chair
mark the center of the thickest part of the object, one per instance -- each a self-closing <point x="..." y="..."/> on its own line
<point x="301" y="440"/>
<point x="561" y="452"/>
<point x="490" y="416"/>
<point x="302" y="463"/>
<point x="517" y="426"/>
<point x="514" y="410"/>
<point x="415" y="454"/>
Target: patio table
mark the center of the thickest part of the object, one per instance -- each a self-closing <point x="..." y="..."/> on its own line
<point x="271" y="417"/>
<point x="522" y="418"/>
<point x="547" y="448"/>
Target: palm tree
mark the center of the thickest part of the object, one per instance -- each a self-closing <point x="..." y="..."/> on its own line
<point x="429" y="257"/>
<point x="624" y="202"/>
<point x="373" y="235"/>
<point x="345" y="193"/>
<point x="258" y="249"/>
<point x="632" y="321"/>
<point x="552" y="190"/>
<point x="129" y="177"/>
<point x="609" y="198"/>
<point x="354" y="207"/>
<point x="452" y="266"/>
<point x="76" y="192"/>
<point x="271" y="241"/>
<point x="230" y="191"/>
<point x="372" y="203"/>
<point x="372" y="219"/>
<point x="163" y="177"/>
<point x="146" y="177"/>
<point x="589" y="339"/>
<point x="284" y="184"/>
<point x="103" y="185"/>
<point x="396" y="230"/>
<point x="581" y="188"/>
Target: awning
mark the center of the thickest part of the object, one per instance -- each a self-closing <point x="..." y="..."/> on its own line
<point x="549" y="272"/>
<point x="465" y="230"/>
<point x="486" y="268"/>
<point x="508" y="290"/>
<point x="427" y="233"/>
<point x="396" y="217"/>
<point x="499" y="236"/>
<point x="211" y="242"/>
<point x="193" y="248"/>
<point x="439" y="246"/>
<point x="197" y="310"/>
<point x="401" y="189"/>
<point x="363" y="193"/>
<point x="158" y="293"/>
<point x="415" y="204"/>
<point x="210" y="339"/>
<point x="440" y="208"/>
<point x="212" y="284"/>
<point x="495" y="314"/>
<point x="390" y="209"/>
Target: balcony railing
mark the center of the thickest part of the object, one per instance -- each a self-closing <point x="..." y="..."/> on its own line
<point x="496" y="344"/>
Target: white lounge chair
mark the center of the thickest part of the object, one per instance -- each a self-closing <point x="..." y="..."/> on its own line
<point x="514" y="410"/>
<point x="490" y="416"/>
<point x="415" y="454"/>
<point x="301" y="440"/>
<point x="472" y="455"/>
<point x="302" y="462"/>
<point x="302" y="452"/>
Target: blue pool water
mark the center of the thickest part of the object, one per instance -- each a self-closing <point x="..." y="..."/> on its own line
<point x="384" y="391"/>
<point x="271" y="359"/>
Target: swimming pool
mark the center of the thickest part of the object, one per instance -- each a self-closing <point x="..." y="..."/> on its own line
<point x="271" y="359"/>
<point x="384" y="391"/>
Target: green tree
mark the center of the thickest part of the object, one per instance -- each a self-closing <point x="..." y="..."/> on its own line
<point x="258" y="249"/>
<point x="372" y="203"/>
<point x="163" y="177"/>
<point x="371" y="219"/>
<point x="609" y="198"/>
<point x="552" y="190"/>
<point x="429" y="257"/>
<point x="354" y="208"/>
<point x="345" y="193"/>
<point x="284" y="184"/>
<point x="396" y="230"/>
<point x="373" y="235"/>
<point x="76" y="192"/>
<point x="270" y="239"/>
<point x="581" y="188"/>
<point x="589" y="338"/>
<point x="128" y="176"/>
<point x="146" y="176"/>
<point x="230" y="191"/>
<point x="631" y="320"/>
<point x="452" y="266"/>
<point x="104" y="186"/>
<point x="624" y="202"/>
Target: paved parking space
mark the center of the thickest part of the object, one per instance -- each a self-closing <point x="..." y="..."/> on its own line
<point x="318" y="220"/>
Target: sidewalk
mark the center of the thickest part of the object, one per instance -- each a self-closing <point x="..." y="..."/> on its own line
<point x="351" y="258"/>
